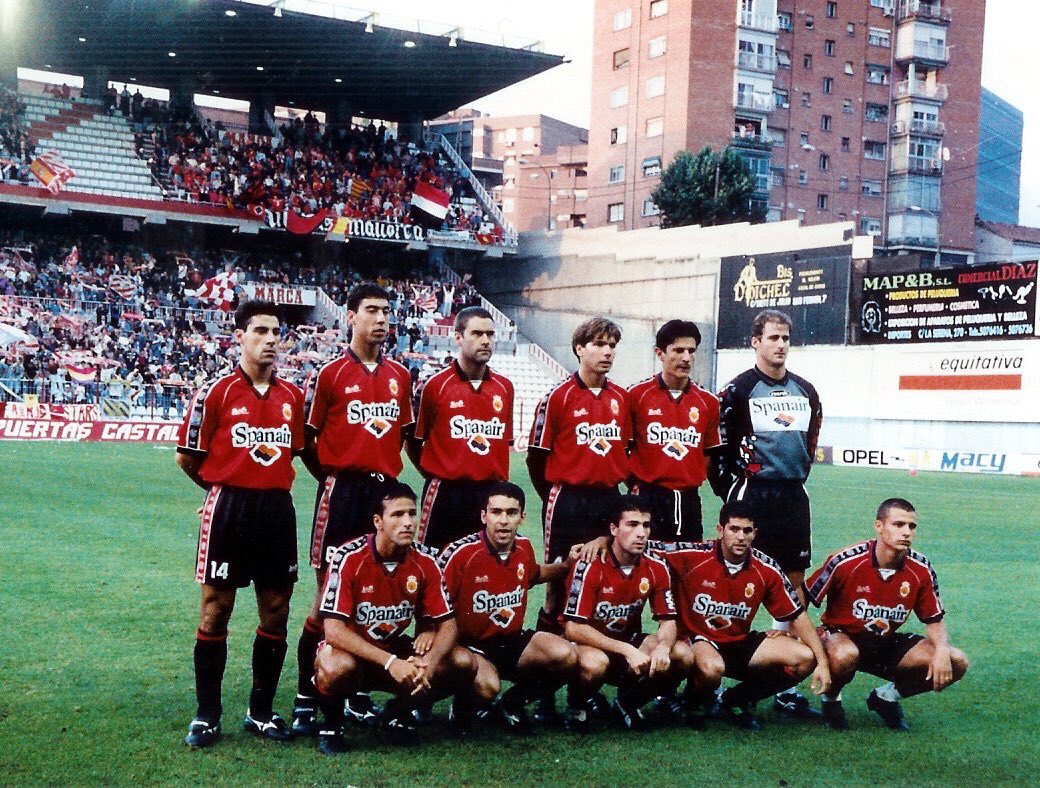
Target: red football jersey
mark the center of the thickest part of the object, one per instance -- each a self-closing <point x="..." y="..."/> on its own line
<point x="379" y="600"/>
<point x="487" y="591"/>
<point x="718" y="604"/>
<point x="249" y="438"/>
<point x="602" y="595"/>
<point x="861" y="600"/>
<point x="586" y="434"/>
<point x="358" y="414"/>
<point x="466" y="431"/>
<point x="670" y="433"/>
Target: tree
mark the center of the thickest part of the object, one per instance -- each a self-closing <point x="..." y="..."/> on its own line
<point x="708" y="189"/>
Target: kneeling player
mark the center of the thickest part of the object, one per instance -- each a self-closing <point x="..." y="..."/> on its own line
<point x="870" y="590"/>
<point x="603" y="615"/>
<point x="374" y="588"/>
<point x="719" y="586"/>
<point x="488" y="575"/>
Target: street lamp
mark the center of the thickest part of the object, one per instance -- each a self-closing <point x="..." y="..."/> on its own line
<point x="548" y="187"/>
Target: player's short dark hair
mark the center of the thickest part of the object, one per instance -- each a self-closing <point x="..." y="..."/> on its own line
<point x="740" y="510"/>
<point x="676" y="329"/>
<point x="769" y="316"/>
<point x="465" y="315"/>
<point x="391" y="491"/>
<point x="506" y="490"/>
<point x="626" y="503"/>
<point x="360" y="292"/>
<point x="894" y="503"/>
<point x="592" y="329"/>
<point x="247" y="310"/>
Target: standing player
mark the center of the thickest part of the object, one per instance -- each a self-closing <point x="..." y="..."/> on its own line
<point x="603" y="615"/>
<point x="463" y="432"/>
<point x="358" y="406"/>
<point x="237" y="443"/>
<point x="719" y="586"/>
<point x="487" y="576"/>
<point x="674" y="421"/>
<point x="870" y="589"/>
<point x="770" y="421"/>
<point x="376" y="586"/>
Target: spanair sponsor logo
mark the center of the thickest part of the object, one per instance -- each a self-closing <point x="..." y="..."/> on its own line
<point x="263" y="442"/>
<point x="780" y="412"/>
<point x="500" y="607"/>
<point x="476" y="433"/>
<point x="879" y="618"/>
<point x="598" y="437"/>
<point x="675" y="442"/>
<point x="378" y="418"/>
<point x="382" y="622"/>
<point x="617" y="616"/>
<point x="719" y="615"/>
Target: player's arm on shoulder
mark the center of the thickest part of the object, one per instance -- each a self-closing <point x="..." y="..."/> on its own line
<point x="553" y="573"/>
<point x="191" y="463"/>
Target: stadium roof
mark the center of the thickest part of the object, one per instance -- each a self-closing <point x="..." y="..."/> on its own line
<point x="290" y="58"/>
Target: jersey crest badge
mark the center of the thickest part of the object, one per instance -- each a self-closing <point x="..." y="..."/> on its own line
<point x="411" y="584"/>
<point x="904" y="589"/>
<point x="749" y="590"/>
<point x="287" y="411"/>
<point x="394" y="388"/>
<point x="520" y="572"/>
<point x="614" y="407"/>
<point x="694" y="415"/>
<point x="497" y="404"/>
<point x="644" y="585"/>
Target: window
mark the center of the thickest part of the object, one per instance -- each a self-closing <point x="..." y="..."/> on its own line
<point x="581" y="194"/>
<point x="655" y="87"/>
<point x="510" y="136"/>
<point x="822" y="202"/>
<point x="621" y="58"/>
<point x="850" y="29"/>
<point x="616" y="212"/>
<point x="870" y="188"/>
<point x="877" y="75"/>
<point x="654" y="127"/>
<point x="848" y="67"/>
<point x="656" y="46"/>
<point x="879" y="37"/>
<point x="843" y="183"/>
<point x="832" y="10"/>
<point x="781" y="98"/>
<point x="619" y="135"/>
<point x="619" y="97"/>
<point x="845" y="144"/>
<point x="783" y="21"/>
<point x="846" y="106"/>
<point x="616" y="174"/>
<point x="825" y="162"/>
<point x="803" y="177"/>
<point x="803" y="138"/>
<point x="658" y="8"/>
<point x="650" y="207"/>
<point x="825" y="122"/>
<point x="778" y="137"/>
<point x="868" y="226"/>
<point x="651" y="166"/>
<point x="828" y="48"/>
<point x="810" y="21"/>
<point x="873" y="150"/>
<point x="828" y="84"/>
<point x="807" y="99"/>
<point x="508" y="206"/>
<point x="623" y="19"/>
<point x="777" y="176"/>
<point x="783" y="58"/>
<point x="801" y="215"/>
<point x="528" y="133"/>
<point x="807" y="60"/>
<point x="877" y="112"/>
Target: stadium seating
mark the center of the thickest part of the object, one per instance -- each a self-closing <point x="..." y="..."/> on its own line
<point x="99" y="147"/>
<point x="531" y="381"/>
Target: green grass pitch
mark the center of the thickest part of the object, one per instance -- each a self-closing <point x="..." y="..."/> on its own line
<point x="99" y="612"/>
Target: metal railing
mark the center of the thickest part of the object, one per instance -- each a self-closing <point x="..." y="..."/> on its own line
<point x="917" y="88"/>
<point x="923" y="9"/>
<point x="756" y="62"/>
<point x="556" y="369"/>
<point x="918" y="165"/>
<point x="754" y="21"/>
<point x="922" y="50"/>
<point x="763" y="102"/>
<point x="917" y="126"/>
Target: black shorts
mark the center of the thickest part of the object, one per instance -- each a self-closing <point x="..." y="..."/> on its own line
<point x="504" y="651"/>
<point x="573" y="515"/>
<point x="880" y="656"/>
<point x="782" y="520"/>
<point x="737" y="654"/>
<point x="247" y="536"/>
<point x="450" y="510"/>
<point x="342" y="511"/>
<point x="371" y="676"/>
<point x="618" y="673"/>
<point x="676" y="513"/>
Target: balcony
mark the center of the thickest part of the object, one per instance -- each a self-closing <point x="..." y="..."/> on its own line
<point x="927" y="128"/>
<point x="923" y="52"/>
<point x="765" y="23"/>
<point x="758" y="102"/>
<point x="925" y="11"/>
<point x="750" y="141"/>
<point x="756" y="62"/>
<point x="913" y="241"/>
<point x="919" y="89"/>
<point x="915" y="165"/>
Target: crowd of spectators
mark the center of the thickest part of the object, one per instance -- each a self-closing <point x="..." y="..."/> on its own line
<point x="150" y="349"/>
<point x="16" y="147"/>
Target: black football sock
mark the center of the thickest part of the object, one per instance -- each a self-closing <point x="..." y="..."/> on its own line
<point x="763" y="683"/>
<point x="331" y="710"/>
<point x="306" y="653"/>
<point x="210" y="660"/>
<point x="268" y="656"/>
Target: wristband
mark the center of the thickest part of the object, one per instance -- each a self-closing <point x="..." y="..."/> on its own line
<point x="390" y="662"/>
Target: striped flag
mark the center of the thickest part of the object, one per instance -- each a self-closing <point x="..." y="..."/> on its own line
<point x="52" y="171"/>
<point x="82" y="374"/>
<point x="218" y="290"/>
<point x="123" y="286"/>
<point x="359" y="187"/>
<point x="429" y="204"/>
<point x="72" y="258"/>
<point x="426" y="300"/>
